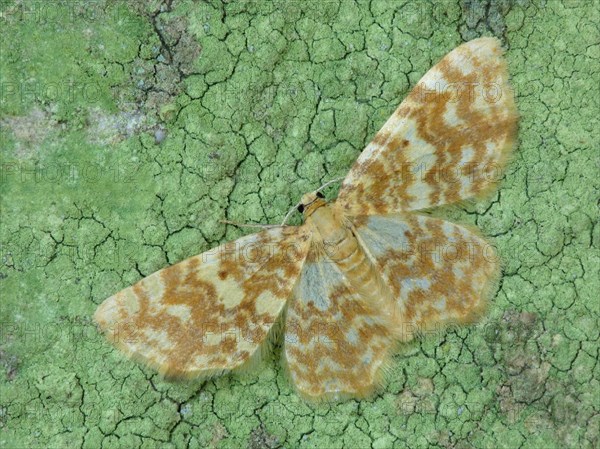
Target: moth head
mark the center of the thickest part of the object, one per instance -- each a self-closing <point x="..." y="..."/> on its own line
<point x="311" y="202"/>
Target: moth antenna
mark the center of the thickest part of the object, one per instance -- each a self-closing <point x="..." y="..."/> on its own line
<point x="329" y="183"/>
<point x="290" y="212"/>
<point x="249" y="225"/>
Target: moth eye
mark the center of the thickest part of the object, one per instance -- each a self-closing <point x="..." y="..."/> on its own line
<point x="301" y="208"/>
<point x="320" y="195"/>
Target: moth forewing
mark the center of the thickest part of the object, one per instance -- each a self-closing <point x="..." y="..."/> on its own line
<point x="448" y="140"/>
<point x="209" y="313"/>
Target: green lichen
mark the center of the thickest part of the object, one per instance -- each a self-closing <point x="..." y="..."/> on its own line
<point x="128" y="130"/>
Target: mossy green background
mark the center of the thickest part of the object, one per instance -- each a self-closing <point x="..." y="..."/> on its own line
<point x="128" y="130"/>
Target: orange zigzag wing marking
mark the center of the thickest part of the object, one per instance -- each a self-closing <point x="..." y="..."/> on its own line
<point x="447" y="141"/>
<point x="335" y="346"/>
<point x="439" y="272"/>
<point x="211" y="312"/>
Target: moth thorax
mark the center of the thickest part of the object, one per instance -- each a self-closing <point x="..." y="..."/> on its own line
<point x="328" y="226"/>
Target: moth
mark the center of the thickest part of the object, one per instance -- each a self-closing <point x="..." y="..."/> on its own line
<point x="360" y="275"/>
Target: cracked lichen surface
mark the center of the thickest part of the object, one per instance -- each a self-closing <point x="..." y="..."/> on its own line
<point x="129" y="130"/>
